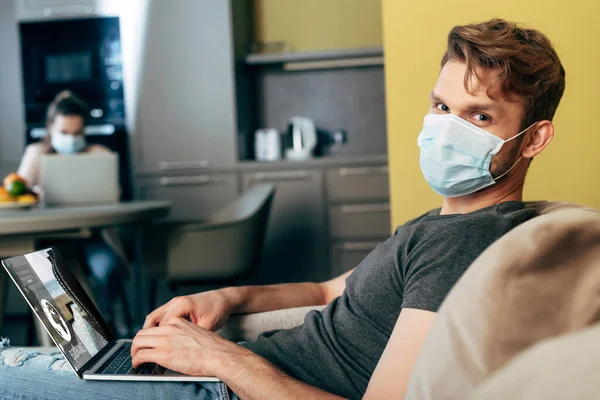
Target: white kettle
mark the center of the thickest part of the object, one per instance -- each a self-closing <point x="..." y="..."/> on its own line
<point x="302" y="136"/>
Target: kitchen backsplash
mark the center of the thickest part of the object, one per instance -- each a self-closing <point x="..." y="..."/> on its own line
<point x="352" y="99"/>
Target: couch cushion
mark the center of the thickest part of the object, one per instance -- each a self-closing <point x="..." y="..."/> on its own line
<point x="247" y="327"/>
<point x="540" y="280"/>
<point x="547" y="207"/>
<point x="564" y="367"/>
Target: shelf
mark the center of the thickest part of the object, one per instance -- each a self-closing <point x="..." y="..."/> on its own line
<point x="320" y="59"/>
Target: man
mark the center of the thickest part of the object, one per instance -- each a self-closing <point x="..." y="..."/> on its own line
<point x="490" y="114"/>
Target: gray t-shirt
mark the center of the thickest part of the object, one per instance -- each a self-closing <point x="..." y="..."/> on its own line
<point x="338" y="348"/>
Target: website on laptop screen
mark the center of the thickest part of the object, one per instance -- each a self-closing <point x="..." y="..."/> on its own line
<point x="75" y="332"/>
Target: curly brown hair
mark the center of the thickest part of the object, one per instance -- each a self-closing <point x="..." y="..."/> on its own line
<point x="527" y="64"/>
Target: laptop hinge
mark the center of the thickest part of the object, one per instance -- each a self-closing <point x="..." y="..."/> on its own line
<point x="97" y="357"/>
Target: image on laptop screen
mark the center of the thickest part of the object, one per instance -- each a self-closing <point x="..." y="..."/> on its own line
<point x="75" y="332"/>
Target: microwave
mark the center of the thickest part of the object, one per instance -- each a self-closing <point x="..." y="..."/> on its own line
<point x="82" y="55"/>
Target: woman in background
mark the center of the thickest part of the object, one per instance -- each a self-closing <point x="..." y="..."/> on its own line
<point x="65" y="124"/>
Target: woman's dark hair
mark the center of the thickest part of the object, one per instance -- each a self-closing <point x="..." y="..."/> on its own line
<point x="66" y="103"/>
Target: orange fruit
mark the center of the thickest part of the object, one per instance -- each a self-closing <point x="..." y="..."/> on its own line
<point x="5" y="197"/>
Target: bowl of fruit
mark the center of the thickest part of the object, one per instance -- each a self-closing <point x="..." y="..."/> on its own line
<point x="14" y="193"/>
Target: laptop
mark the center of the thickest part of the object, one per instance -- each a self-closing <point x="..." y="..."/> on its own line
<point x="74" y="323"/>
<point x="80" y="179"/>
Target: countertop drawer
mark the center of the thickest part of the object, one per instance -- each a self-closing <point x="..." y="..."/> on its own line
<point x="192" y="196"/>
<point x="358" y="183"/>
<point x="359" y="220"/>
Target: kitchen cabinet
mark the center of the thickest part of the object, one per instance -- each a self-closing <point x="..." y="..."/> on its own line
<point x="193" y="197"/>
<point x="12" y="112"/>
<point x="350" y="183"/>
<point x="359" y="213"/>
<point x="357" y="221"/>
<point x="296" y="246"/>
<point x="186" y="115"/>
<point x="327" y="215"/>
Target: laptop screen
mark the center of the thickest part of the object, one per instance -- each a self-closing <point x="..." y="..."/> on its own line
<point x="63" y="183"/>
<point x="77" y="333"/>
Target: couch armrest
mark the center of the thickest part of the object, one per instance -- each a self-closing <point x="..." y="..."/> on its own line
<point x="247" y="327"/>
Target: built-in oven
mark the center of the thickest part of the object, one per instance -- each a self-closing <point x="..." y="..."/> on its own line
<point x="82" y="55"/>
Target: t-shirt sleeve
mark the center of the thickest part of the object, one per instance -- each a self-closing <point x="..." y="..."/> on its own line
<point x="436" y="264"/>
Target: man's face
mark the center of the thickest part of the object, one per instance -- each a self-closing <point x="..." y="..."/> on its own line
<point x="497" y="116"/>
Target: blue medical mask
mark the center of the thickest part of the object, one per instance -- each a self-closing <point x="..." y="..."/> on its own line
<point x="67" y="144"/>
<point x="456" y="155"/>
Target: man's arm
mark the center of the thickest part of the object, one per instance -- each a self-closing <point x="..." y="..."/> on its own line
<point x="29" y="169"/>
<point x="253" y="378"/>
<point x="211" y="309"/>
<point x="252" y="299"/>
<point x="393" y="370"/>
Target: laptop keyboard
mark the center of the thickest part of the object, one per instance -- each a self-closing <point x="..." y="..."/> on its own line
<point x="120" y="364"/>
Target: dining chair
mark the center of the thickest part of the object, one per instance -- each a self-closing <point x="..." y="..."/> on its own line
<point x="216" y="252"/>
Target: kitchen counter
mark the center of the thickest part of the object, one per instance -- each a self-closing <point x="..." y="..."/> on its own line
<point x="250" y="165"/>
<point x="320" y="162"/>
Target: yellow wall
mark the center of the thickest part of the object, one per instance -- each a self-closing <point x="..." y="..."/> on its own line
<point x="319" y="24"/>
<point x="414" y="41"/>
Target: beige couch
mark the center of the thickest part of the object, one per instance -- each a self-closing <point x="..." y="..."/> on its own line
<point x="538" y="284"/>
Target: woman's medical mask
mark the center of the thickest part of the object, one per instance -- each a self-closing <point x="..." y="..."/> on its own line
<point x="456" y="155"/>
<point x="67" y="144"/>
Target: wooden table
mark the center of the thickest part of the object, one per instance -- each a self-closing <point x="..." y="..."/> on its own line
<point x="19" y="230"/>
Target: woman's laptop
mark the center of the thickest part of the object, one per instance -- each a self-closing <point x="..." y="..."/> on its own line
<point x="74" y="323"/>
<point x="79" y="179"/>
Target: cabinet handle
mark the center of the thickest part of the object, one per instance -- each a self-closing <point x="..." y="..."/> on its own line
<point x="67" y="10"/>
<point x="280" y="176"/>
<point x="104" y="129"/>
<point x="365" y="171"/>
<point x="359" y="246"/>
<point x="365" y="208"/>
<point x="329" y="64"/>
<point x="176" y="165"/>
<point x="184" y="180"/>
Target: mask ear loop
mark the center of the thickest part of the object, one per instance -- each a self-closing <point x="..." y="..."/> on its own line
<point x="514" y="165"/>
<point x="520" y="158"/>
<point x="520" y="133"/>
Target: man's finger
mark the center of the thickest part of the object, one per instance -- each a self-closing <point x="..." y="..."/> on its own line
<point x="179" y="309"/>
<point x="148" y="356"/>
<point x="144" y="342"/>
<point x="177" y="321"/>
<point x="155" y="316"/>
<point x="156" y="331"/>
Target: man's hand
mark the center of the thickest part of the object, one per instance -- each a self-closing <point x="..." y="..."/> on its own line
<point x="209" y="310"/>
<point x="182" y="346"/>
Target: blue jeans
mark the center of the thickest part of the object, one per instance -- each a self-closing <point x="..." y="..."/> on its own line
<point x="27" y="374"/>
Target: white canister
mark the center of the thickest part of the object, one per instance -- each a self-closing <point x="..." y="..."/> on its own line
<point x="267" y="144"/>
